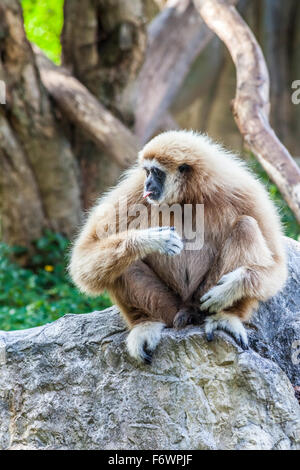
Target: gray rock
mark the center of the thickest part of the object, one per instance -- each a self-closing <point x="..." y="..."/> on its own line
<point x="274" y="330"/>
<point x="71" y="385"/>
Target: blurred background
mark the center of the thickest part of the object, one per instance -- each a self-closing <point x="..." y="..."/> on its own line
<point x="53" y="166"/>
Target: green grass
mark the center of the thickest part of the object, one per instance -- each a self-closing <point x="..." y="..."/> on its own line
<point x="43" y="21"/>
<point x="43" y="292"/>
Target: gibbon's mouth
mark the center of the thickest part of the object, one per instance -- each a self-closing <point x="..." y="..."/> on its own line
<point x="151" y="196"/>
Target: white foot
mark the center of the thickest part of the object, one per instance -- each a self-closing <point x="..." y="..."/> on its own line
<point x="143" y="339"/>
<point x="228" y="323"/>
<point x="225" y="293"/>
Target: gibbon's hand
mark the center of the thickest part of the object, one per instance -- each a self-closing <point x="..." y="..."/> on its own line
<point x="163" y="240"/>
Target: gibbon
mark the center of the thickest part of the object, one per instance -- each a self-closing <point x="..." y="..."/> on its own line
<point x="148" y="270"/>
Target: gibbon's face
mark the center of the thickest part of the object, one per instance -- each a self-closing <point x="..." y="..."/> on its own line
<point x="162" y="185"/>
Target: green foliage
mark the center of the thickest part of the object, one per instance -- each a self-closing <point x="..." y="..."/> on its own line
<point x="43" y="21"/>
<point x="43" y="292"/>
<point x="290" y="224"/>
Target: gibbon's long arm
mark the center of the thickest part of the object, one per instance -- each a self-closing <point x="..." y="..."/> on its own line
<point x="105" y="248"/>
<point x="246" y="274"/>
<point x="235" y="284"/>
<point x="97" y="262"/>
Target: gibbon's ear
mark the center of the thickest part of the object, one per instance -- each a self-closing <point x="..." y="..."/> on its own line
<point x="185" y="168"/>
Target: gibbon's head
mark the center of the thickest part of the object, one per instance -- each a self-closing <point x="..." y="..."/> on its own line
<point x="179" y="165"/>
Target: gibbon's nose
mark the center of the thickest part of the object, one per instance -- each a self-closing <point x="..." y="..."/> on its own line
<point x="150" y="186"/>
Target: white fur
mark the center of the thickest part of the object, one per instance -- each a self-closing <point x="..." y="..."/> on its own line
<point x="148" y="164"/>
<point x="160" y="239"/>
<point x="145" y="335"/>
<point x="230" y="323"/>
<point x="226" y="292"/>
<point x="170" y="185"/>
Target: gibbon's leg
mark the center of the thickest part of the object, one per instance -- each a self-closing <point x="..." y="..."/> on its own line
<point x="237" y="279"/>
<point x="148" y="305"/>
<point x="96" y="262"/>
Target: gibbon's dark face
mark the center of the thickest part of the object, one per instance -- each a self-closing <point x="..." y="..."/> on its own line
<point x="155" y="182"/>
<point x="162" y="184"/>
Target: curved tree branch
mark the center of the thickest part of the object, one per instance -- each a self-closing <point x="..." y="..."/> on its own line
<point x="251" y="105"/>
<point x="85" y="111"/>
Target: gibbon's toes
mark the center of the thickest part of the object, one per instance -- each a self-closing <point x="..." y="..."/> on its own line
<point x="209" y="336"/>
<point x="182" y="319"/>
<point x="143" y="339"/>
<point x="147" y="354"/>
<point x="228" y="323"/>
<point x="244" y="345"/>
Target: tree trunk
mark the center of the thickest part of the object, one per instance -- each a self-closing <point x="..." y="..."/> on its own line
<point x="38" y="177"/>
<point x="104" y="43"/>
<point x="84" y="110"/>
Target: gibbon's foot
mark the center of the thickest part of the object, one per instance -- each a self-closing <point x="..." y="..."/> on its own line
<point x="183" y="318"/>
<point x="224" y="293"/>
<point x="231" y="324"/>
<point x="164" y="240"/>
<point x="143" y="339"/>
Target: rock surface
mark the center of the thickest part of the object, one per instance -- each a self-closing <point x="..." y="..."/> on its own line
<point x="274" y="330"/>
<point x="71" y="384"/>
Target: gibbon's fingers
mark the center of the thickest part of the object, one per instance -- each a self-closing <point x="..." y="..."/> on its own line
<point x="228" y="323"/>
<point x="159" y="232"/>
<point x="164" y="240"/>
<point x="143" y="339"/>
<point x="225" y="293"/>
<point x="147" y="354"/>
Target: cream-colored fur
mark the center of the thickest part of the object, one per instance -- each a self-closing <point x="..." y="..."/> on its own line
<point x="143" y="339"/>
<point x="229" y="323"/>
<point x="241" y="262"/>
<point x="163" y="240"/>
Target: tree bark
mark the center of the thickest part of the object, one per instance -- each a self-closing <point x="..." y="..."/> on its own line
<point x="39" y="186"/>
<point x="103" y="45"/>
<point x="21" y="208"/>
<point x="86" y="112"/>
<point x="251" y="105"/>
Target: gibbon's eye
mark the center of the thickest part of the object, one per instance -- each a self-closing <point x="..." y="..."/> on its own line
<point x="157" y="172"/>
<point x="147" y="171"/>
<point x="184" y="168"/>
